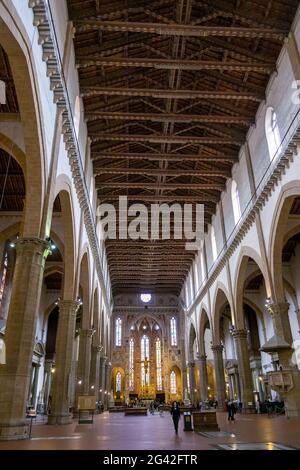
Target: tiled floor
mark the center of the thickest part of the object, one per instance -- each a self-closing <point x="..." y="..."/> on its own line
<point x="153" y="432"/>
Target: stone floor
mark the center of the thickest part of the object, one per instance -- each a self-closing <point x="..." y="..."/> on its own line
<point x="154" y="432"/>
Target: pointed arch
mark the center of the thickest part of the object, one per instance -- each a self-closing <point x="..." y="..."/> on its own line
<point x="240" y="278"/>
<point x="17" y="47"/>
<point x="221" y="298"/>
<point x="204" y="321"/>
<point x="278" y="235"/>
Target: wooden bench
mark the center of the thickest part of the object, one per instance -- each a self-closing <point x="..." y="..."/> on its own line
<point x="136" y="412"/>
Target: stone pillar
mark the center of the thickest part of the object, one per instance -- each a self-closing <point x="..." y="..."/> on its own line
<point x="191" y="366"/>
<point x="217" y="350"/>
<point x="103" y="360"/>
<point x="47" y="382"/>
<point x="84" y="361"/>
<point x="108" y="382"/>
<point x="63" y="362"/>
<point x="35" y="384"/>
<point x="95" y="371"/>
<point x="231" y="386"/>
<point x="237" y="387"/>
<point x="20" y="336"/>
<point x="280" y="318"/>
<point x="203" y="377"/>
<point x="245" y="376"/>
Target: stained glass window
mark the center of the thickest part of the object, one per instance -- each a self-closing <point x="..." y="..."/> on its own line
<point x="131" y="364"/>
<point x="173" y="331"/>
<point x="118" y="382"/>
<point x="173" y="385"/>
<point x="118" y="332"/>
<point x="158" y="365"/>
<point x="3" y="277"/>
<point x="145" y="360"/>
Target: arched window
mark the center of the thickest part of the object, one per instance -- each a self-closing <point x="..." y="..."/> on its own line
<point x="158" y="365"/>
<point x="118" y="382"/>
<point x="3" y="277"/>
<point x="77" y="113"/>
<point x="235" y="202"/>
<point x="173" y="330"/>
<point x="145" y="361"/>
<point x="272" y="133"/>
<point x="131" y="364"/>
<point x="173" y="385"/>
<point x="118" y="339"/>
<point x="188" y="380"/>
<point x="213" y="244"/>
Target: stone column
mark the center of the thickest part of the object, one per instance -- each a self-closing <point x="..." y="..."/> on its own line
<point x="20" y="336"/>
<point x="95" y="371"/>
<point x="108" y="382"/>
<point x="35" y="384"/>
<point x="231" y="386"/>
<point x="47" y="382"/>
<point x="63" y="362"/>
<point x="237" y="387"/>
<point x="217" y="350"/>
<point x="191" y="366"/>
<point x="84" y="362"/>
<point x="103" y="360"/>
<point x="245" y="376"/>
<point x="203" y="377"/>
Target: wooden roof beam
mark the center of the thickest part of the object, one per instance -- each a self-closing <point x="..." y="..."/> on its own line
<point x="161" y="172"/>
<point x="157" y="117"/>
<point x="175" y="64"/>
<point x="161" y="139"/>
<point x="166" y="186"/>
<point x="88" y="91"/>
<point x="183" y="30"/>
<point x="173" y="157"/>
<point x="162" y="198"/>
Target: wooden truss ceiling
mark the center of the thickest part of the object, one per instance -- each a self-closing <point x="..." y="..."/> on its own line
<point x="170" y="88"/>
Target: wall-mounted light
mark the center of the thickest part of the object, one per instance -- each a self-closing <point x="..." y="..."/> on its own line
<point x="105" y="392"/>
<point x="100" y="390"/>
<point x="12" y="244"/>
<point x="92" y="387"/>
<point x="208" y="388"/>
<point x="52" y="370"/>
<point x="268" y="302"/>
<point x="79" y="382"/>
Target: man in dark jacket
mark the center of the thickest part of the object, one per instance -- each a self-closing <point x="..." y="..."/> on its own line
<point x="175" y="412"/>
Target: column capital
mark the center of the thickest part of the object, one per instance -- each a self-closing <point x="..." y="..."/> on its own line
<point x="33" y="245"/>
<point x="97" y="348"/>
<point x="276" y="308"/>
<point x="203" y="358"/>
<point x="191" y="364"/>
<point x="88" y="333"/>
<point x="218" y="348"/>
<point x="68" y="307"/>
<point x="240" y="334"/>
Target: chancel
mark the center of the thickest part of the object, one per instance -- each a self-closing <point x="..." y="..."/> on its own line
<point x="188" y="111"/>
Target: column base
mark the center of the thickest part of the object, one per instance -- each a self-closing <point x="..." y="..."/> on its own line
<point x="14" y="432"/>
<point x="60" y="419"/>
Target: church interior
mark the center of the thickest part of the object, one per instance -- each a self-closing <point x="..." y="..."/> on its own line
<point x="122" y="125"/>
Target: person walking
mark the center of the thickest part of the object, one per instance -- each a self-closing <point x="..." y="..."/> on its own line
<point x="231" y="410"/>
<point x="175" y="412"/>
